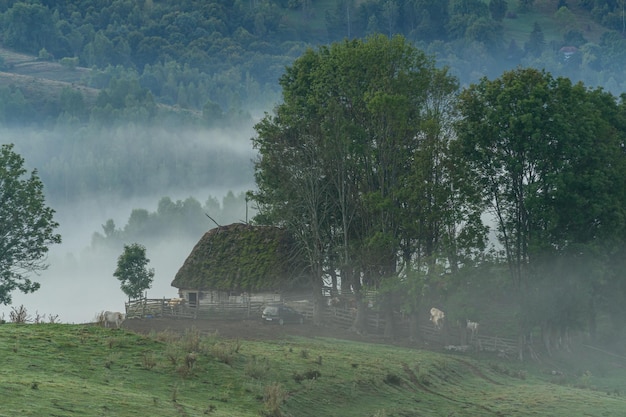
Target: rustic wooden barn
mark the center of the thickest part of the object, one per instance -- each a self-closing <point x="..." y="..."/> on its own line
<point x="241" y="263"/>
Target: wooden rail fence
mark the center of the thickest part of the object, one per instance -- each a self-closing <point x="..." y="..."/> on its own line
<point x="340" y="317"/>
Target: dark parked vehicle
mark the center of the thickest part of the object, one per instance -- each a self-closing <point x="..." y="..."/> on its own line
<point x="282" y="314"/>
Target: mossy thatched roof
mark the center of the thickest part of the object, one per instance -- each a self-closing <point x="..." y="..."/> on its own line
<point x="241" y="257"/>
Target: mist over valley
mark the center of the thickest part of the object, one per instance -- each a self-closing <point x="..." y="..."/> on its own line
<point x="89" y="181"/>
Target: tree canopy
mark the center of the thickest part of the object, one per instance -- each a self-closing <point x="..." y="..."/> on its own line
<point x="26" y="225"/>
<point x="361" y="120"/>
<point x="548" y="155"/>
<point x="132" y="270"/>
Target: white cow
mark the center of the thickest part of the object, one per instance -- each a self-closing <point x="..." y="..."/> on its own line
<point x="173" y="302"/>
<point x="472" y="326"/>
<point x="437" y="316"/>
<point x="113" y="318"/>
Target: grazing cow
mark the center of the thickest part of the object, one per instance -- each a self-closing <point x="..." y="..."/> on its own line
<point x="472" y="326"/>
<point x="437" y="316"/>
<point x="113" y="318"/>
<point x="173" y="302"/>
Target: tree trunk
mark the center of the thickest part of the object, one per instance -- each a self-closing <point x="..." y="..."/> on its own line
<point x="319" y="303"/>
<point x="390" y="332"/>
<point x="360" y="321"/>
<point x="413" y="327"/>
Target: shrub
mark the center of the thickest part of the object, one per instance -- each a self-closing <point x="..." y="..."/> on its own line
<point x="148" y="360"/>
<point x="308" y="375"/>
<point x="172" y="352"/>
<point x="190" y="342"/>
<point x="275" y="396"/>
<point x="167" y="336"/>
<point x="223" y="353"/>
<point x="257" y="369"/>
<point x="70" y="63"/>
<point x="19" y="315"/>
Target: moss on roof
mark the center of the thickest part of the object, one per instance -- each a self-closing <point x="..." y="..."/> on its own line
<point x="241" y="257"/>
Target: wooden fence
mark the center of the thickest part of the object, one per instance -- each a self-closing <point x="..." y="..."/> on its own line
<point x="340" y="317"/>
<point x="161" y="307"/>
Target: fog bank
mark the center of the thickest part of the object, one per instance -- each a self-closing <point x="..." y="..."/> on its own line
<point x="79" y="282"/>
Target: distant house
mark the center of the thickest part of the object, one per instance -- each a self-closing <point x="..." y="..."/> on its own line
<point x="239" y="263"/>
<point x="567" y="52"/>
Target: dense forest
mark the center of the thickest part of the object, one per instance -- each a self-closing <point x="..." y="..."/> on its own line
<point x="226" y="56"/>
<point x="197" y="66"/>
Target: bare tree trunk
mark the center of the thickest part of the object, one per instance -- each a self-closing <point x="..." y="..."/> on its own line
<point x="360" y="321"/>
<point x="413" y="327"/>
<point x="390" y="332"/>
<point x="319" y="303"/>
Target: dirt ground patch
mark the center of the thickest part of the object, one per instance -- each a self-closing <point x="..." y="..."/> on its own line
<point x="248" y="329"/>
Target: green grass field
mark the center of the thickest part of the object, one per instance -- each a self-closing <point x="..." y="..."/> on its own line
<point x="80" y="370"/>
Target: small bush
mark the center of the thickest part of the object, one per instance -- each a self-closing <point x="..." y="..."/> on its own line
<point x="275" y="396"/>
<point x="183" y="371"/>
<point x="99" y="318"/>
<point x="309" y="375"/>
<point x="167" y="336"/>
<point x="70" y="63"/>
<point x="223" y="353"/>
<point x="584" y="381"/>
<point x="111" y="359"/>
<point x="172" y="353"/>
<point x="19" y="315"/>
<point x="190" y="341"/>
<point x="148" y="360"/>
<point x="392" y="379"/>
<point x="257" y="369"/>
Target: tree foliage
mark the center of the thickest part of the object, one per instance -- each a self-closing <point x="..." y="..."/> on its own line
<point x="26" y="225"/>
<point x="361" y="120"/>
<point x="132" y="270"/>
<point x="549" y="156"/>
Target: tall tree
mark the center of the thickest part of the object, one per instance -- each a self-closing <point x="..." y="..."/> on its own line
<point x="359" y="105"/>
<point x="26" y="225"/>
<point x="534" y="144"/>
<point x="132" y="270"/>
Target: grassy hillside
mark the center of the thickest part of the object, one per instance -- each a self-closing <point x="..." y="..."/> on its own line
<point x="63" y="370"/>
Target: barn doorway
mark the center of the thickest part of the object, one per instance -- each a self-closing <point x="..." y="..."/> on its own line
<point x="193" y="299"/>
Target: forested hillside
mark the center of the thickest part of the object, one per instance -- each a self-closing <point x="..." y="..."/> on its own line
<point x="224" y="56"/>
<point x="111" y="67"/>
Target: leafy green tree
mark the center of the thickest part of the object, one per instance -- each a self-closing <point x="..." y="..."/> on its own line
<point x="15" y="109"/>
<point x="525" y="5"/>
<point x="338" y="153"/>
<point x="29" y="27"/>
<point x="26" y="226"/>
<point x="548" y="156"/>
<point x="497" y="8"/>
<point x="536" y="41"/>
<point x="566" y="20"/>
<point x="132" y="270"/>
